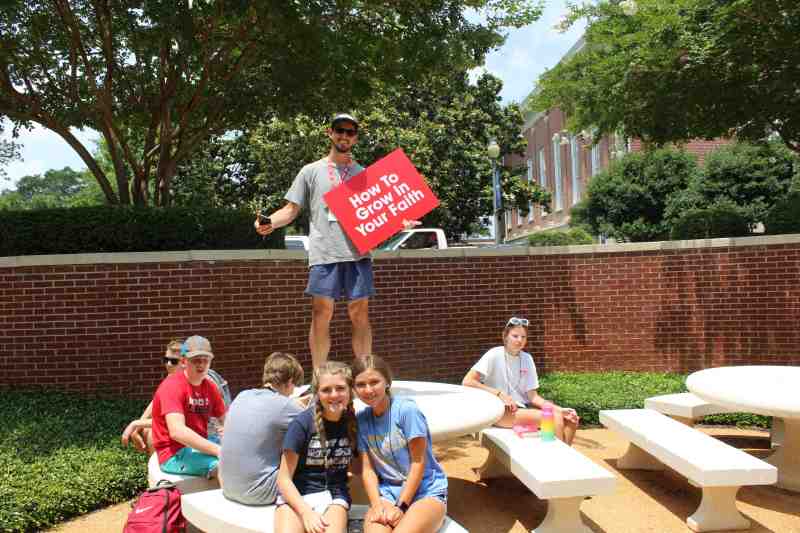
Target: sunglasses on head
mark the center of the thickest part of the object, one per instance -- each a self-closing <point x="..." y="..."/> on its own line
<point x="345" y="131"/>
<point x="171" y="361"/>
<point x="514" y="321"/>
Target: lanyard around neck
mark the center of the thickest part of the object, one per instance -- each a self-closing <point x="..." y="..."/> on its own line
<point x="343" y="175"/>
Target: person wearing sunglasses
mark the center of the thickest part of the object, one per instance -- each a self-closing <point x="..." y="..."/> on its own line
<point x="509" y="373"/>
<point x="337" y="271"/>
<point x="138" y="431"/>
<point x="182" y="406"/>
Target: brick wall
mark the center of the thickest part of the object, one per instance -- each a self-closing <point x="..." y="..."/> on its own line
<point x="100" y="322"/>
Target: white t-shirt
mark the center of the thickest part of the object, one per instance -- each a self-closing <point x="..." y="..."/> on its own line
<point x="514" y="375"/>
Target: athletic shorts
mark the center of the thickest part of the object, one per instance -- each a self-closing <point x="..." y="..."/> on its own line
<point x="349" y="280"/>
<point x="190" y="462"/>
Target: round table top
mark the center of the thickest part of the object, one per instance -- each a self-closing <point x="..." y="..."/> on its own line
<point x="763" y="390"/>
<point x="451" y="410"/>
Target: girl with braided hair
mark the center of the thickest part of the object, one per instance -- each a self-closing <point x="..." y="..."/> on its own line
<point x="406" y="486"/>
<point x="317" y="450"/>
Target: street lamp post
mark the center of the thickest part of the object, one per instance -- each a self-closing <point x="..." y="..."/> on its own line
<point x="493" y="151"/>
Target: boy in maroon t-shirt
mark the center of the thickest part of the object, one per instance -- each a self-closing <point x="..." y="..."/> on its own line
<point x="182" y="406"/>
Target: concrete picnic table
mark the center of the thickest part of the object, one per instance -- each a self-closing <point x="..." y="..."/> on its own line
<point x="451" y="410"/>
<point x="764" y="390"/>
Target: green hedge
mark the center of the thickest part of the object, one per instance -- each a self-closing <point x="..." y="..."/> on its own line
<point x="560" y="238"/>
<point x="128" y="229"/>
<point x="61" y="457"/>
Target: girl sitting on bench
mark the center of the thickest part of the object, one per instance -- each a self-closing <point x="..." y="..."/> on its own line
<point x="319" y="445"/>
<point x="405" y="484"/>
<point x="509" y="373"/>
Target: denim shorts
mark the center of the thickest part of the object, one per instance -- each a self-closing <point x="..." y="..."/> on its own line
<point x="388" y="494"/>
<point x="349" y="280"/>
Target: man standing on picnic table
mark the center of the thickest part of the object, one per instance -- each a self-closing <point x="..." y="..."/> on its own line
<point x="336" y="269"/>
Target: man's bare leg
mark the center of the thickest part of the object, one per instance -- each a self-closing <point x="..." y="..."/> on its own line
<point x="319" y="338"/>
<point x="362" y="331"/>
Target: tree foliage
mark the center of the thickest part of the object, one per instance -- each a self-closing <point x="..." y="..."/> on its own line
<point x="443" y="125"/>
<point x="683" y="69"/>
<point x="54" y="188"/>
<point x="158" y="79"/>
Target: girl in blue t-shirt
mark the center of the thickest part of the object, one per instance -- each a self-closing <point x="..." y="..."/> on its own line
<point x="404" y="483"/>
<point x="317" y="450"/>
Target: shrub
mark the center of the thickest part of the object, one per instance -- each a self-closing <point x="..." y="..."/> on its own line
<point x="62" y="457"/>
<point x="560" y="238"/>
<point x="627" y="201"/>
<point x="719" y="220"/>
<point x="784" y="217"/>
<point x="128" y="229"/>
<point x="751" y="176"/>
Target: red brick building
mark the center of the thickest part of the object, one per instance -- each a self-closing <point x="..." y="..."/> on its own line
<point x="563" y="163"/>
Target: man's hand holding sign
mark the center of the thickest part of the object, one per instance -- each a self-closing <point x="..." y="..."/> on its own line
<point x="385" y="198"/>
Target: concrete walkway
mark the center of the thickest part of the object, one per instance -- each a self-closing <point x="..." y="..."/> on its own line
<point x="644" y="502"/>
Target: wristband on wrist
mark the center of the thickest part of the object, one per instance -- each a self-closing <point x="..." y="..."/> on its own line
<point x="498" y="393"/>
<point x="403" y="506"/>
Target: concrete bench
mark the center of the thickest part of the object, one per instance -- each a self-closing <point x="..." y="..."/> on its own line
<point x="211" y="512"/>
<point x="552" y="470"/>
<point x="684" y="407"/>
<point x="186" y="484"/>
<point x="718" y="469"/>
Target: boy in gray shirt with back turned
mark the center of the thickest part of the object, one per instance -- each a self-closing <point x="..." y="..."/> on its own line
<point x="254" y="429"/>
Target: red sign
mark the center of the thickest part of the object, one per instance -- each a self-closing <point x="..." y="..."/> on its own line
<point x="372" y="205"/>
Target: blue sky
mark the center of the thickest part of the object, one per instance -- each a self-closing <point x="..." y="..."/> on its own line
<point x="526" y="54"/>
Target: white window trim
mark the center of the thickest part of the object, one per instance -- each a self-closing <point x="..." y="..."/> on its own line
<point x="530" y="180"/>
<point x="575" y="157"/>
<point x="558" y="205"/>
<point x="543" y="174"/>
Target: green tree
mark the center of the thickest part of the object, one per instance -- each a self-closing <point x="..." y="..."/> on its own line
<point x="628" y="200"/>
<point x="158" y="79"/>
<point x="443" y="125"/>
<point x="683" y="69"/>
<point x="54" y="188"/>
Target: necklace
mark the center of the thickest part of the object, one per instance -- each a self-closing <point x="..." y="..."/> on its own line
<point x="508" y="358"/>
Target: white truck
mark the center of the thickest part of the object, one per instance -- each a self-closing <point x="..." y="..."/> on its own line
<point x="416" y="239"/>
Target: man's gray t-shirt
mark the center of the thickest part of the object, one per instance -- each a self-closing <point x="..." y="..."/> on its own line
<point x="328" y="242"/>
<point x="255" y="426"/>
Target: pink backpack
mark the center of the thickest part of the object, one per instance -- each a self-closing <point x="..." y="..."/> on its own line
<point x="158" y="510"/>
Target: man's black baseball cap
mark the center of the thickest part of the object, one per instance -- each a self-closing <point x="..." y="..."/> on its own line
<point x="344" y="117"/>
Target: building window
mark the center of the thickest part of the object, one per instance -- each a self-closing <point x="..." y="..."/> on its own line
<point x="542" y="174"/>
<point x="575" y="157"/>
<point x="595" y="158"/>
<point x="557" y="205"/>
<point x="530" y="180"/>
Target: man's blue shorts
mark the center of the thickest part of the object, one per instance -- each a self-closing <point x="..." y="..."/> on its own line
<point x="349" y="280"/>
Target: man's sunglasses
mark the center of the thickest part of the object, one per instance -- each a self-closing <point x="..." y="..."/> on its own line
<point x="171" y="361"/>
<point x="345" y="131"/>
<point x="514" y="321"/>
